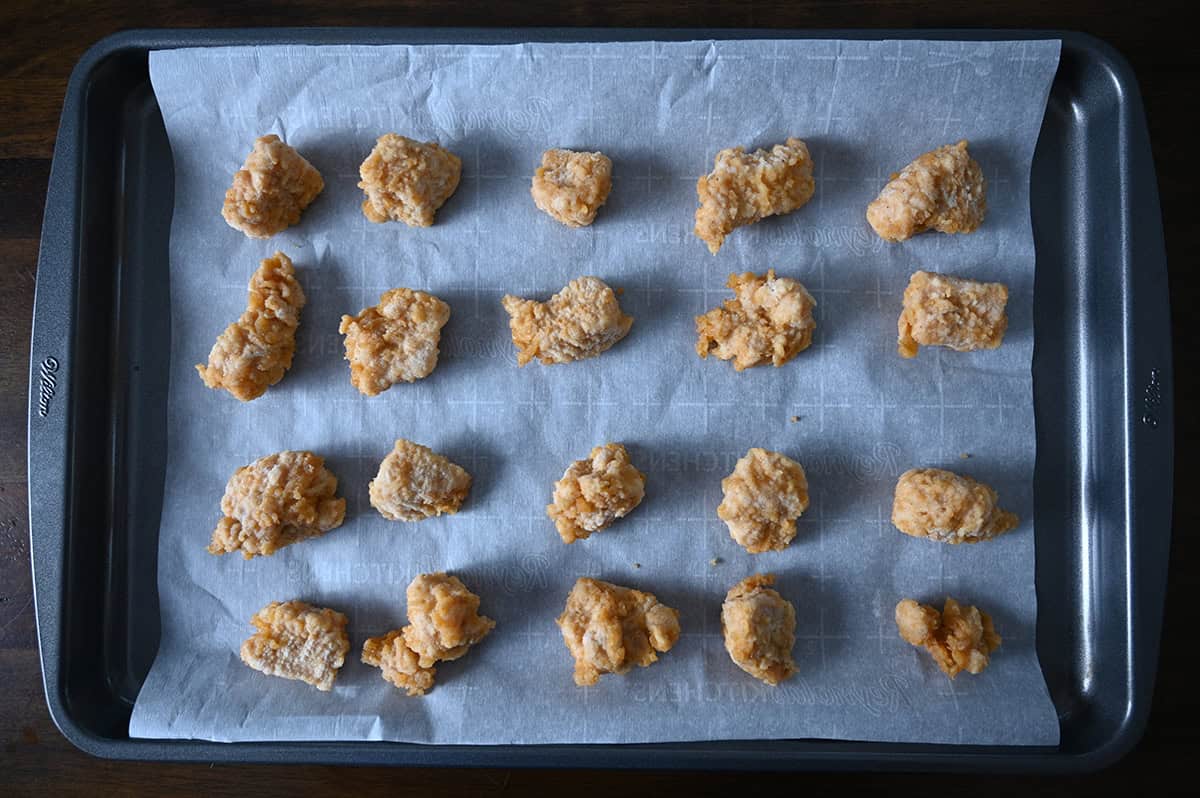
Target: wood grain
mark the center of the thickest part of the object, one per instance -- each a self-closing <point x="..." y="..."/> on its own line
<point x="44" y="39"/>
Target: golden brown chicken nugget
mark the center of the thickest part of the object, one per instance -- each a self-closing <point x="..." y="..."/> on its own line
<point x="610" y="629"/>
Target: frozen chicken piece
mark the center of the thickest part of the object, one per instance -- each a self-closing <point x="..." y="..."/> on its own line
<point x="399" y="663"/>
<point x="256" y="350"/>
<point x="580" y="321"/>
<point x="764" y="496"/>
<point x="769" y="320"/>
<point x="958" y="638"/>
<point x="595" y="492"/>
<point x="948" y="507"/>
<point x="940" y="310"/>
<point x="571" y="186"/>
<point x="759" y="627"/>
<point x="743" y="189"/>
<point x="276" y="501"/>
<point x="942" y="190"/>
<point x="444" y="622"/>
<point x="415" y="483"/>
<point x="443" y="617"/>
<point x="609" y="629"/>
<point x="396" y="340"/>
<point x="298" y="641"/>
<point x="271" y="190"/>
<point x="407" y="181"/>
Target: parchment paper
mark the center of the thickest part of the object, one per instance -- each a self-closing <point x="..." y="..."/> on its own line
<point x="849" y="409"/>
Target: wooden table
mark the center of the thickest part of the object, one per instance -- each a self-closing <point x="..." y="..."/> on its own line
<point x="44" y="38"/>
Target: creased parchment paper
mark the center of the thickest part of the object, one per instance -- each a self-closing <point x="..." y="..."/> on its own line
<point x="849" y="409"/>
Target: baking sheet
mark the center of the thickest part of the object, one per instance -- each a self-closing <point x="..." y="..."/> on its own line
<point x="660" y="110"/>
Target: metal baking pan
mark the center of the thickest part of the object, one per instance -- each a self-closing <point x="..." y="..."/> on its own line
<point x="1102" y="390"/>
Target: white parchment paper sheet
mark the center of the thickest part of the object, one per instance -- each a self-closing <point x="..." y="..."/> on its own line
<point x="660" y="111"/>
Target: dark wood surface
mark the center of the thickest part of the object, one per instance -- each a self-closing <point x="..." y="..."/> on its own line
<point x="43" y="39"/>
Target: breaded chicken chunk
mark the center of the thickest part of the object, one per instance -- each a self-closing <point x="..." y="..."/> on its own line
<point x="580" y="321"/>
<point x="298" y="641"/>
<point x="407" y="181"/>
<point x="444" y="622"/>
<point x="395" y="341"/>
<point x="764" y="496"/>
<point x="942" y="190"/>
<point x="271" y="190"/>
<point x="610" y="629"/>
<point x="759" y="627"/>
<point x="415" y="483"/>
<point x="948" y="507"/>
<point x="443" y="617"/>
<point x="254" y="352"/>
<point x="940" y="310"/>
<point x="745" y="188"/>
<point x="276" y="501"/>
<point x="769" y="320"/>
<point x="571" y="186"/>
<point x="399" y="663"/>
<point x="595" y="492"/>
<point x="958" y="638"/>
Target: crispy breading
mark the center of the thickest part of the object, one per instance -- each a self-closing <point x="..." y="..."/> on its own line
<point x="940" y="310"/>
<point x="958" y="638"/>
<point x="759" y="627"/>
<point x="942" y="190"/>
<point x="296" y="640"/>
<point x="596" y="491"/>
<point x="610" y="629"/>
<point x="414" y="483"/>
<point x="571" y="186"/>
<point x="254" y="352"/>
<point x="764" y="496"/>
<point x="399" y="663"/>
<point x="769" y="320"/>
<point x="948" y="507"/>
<point x="443" y="617"/>
<point x="407" y="181"/>
<point x="396" y="340"/>
<point x="444" y="622"/>
<point x="580" y="321"/>
<point x="743" y="189"/>
<point x="271" y="190"/>
<point x="276" y="501"/>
